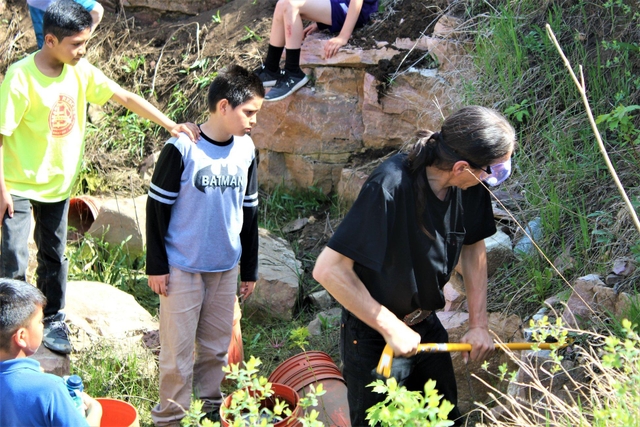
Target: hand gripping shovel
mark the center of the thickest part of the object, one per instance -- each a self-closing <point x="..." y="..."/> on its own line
<point x="386" y="360"/>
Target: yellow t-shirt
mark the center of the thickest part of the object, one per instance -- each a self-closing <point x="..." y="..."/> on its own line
<point x="42" y="122"/>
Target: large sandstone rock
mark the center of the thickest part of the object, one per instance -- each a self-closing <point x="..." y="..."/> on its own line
<point x="120" y="218"/>
<point x="311" y="135"/>
<point x="312" y="54"/>
<point x="470" y="389"/>
<point x="499" y="251"/>
<point x="306" y="139"/>
<point x="53" y="363"/>
<point x="101" y="311"/>
<point x="415" y="100"/>
<point x="100" y="314"/>
<point x="591" y="298"/>
<point x="277" y="288"/>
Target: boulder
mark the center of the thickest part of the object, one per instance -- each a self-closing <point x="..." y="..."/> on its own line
<point x="121" y="218"/>
<point x="591" y="297"/>
<point x="98" y="311"/>
<point x="321" y="299"/>
<point x="51" y="362"/>
<point x="470" y="389"/>
<point x="350" y="184"/>
<point x="277" y="288"/>
<point x="325" y="319"/>
<point x="499" y="251"/>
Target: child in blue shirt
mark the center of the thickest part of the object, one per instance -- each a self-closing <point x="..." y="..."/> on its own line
<point x="30" y="397"/>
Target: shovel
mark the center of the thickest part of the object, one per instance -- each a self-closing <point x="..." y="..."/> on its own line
<point x="386" y="360"/>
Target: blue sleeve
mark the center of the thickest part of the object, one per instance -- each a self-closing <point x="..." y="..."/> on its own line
<point x="87" y="4"/>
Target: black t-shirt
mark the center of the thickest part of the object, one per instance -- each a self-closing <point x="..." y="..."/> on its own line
<point x="402" y="267"/>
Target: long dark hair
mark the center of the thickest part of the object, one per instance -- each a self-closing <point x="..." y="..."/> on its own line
<point x="476" y="134"/>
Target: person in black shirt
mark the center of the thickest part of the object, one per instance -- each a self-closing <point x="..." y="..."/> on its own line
<point x="417" y="216"/>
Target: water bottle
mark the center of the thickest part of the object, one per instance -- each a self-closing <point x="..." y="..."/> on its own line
<point x="75" y="386"/>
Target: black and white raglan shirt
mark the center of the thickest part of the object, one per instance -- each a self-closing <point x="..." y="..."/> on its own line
<point x="202" y="209"/>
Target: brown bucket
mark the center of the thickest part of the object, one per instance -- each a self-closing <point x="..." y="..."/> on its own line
<point x="311" y="368"/>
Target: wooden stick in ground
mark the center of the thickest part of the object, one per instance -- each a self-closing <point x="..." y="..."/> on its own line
<point x="582" y="88"/>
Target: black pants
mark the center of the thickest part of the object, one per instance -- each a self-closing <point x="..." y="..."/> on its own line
<point x="360" y="350"/>
<point x="50" y="235"/>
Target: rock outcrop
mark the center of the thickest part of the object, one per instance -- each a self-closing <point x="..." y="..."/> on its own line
<point x="311" y="136"/>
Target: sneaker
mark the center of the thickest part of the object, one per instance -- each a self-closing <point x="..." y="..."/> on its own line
<point x="286" y="85"/>
<point x="56" y="334"/>
<point x="268" y="77"/>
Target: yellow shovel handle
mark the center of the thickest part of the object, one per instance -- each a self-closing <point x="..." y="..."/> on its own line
<point x="449" y="347"/>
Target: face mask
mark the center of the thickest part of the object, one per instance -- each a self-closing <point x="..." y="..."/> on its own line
<point x="498" y="173"/>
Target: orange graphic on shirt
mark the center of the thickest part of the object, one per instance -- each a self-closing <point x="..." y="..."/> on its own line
<point x="62" y="116"/>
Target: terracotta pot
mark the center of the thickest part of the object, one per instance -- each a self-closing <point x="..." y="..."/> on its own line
<point x="312" y="368"/>
<point x="282" y="392"/>
<point x="83" y="210"/>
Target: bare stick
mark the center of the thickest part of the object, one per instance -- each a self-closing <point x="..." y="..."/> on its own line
<point x="582" y="88"/>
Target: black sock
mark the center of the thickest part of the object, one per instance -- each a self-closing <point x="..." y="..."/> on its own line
<point x="272" y="63"/>
<point x="292" y="62"/>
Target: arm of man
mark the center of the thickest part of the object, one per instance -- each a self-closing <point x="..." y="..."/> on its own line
<point x="145" y="109"/>
<point x="96" y="15"/>
<point x="473" y="263"/>
<point x="6" y="201"/>
<point x="331" y="46"/>
<point x="334" y="272"/>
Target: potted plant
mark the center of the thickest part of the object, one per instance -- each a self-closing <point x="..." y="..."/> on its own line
<point x="257" y="402"/>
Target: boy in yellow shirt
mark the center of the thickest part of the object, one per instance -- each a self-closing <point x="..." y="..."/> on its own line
<point x="43" y="102"/>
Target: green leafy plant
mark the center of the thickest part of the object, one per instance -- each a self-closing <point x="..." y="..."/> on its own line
<point x="216" y="18"/>
<point x="402" y="407"/>
<point x="520" y="111"/>
<point x="248" y="403"/>
<point x="621" y="122"/>
<point x="131" y="65"/>
<point x="251" y="35"/>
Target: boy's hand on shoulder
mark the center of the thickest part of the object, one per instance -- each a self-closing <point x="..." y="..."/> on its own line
<point x="331" y="46"/>
<point x="191" y="129"/>
<point x="159" y="284"/>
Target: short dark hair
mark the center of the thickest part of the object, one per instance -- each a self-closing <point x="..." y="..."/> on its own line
<point x="18" y="303"/>
<point x="235" y="84"/>
<point x="65" y="18"/>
